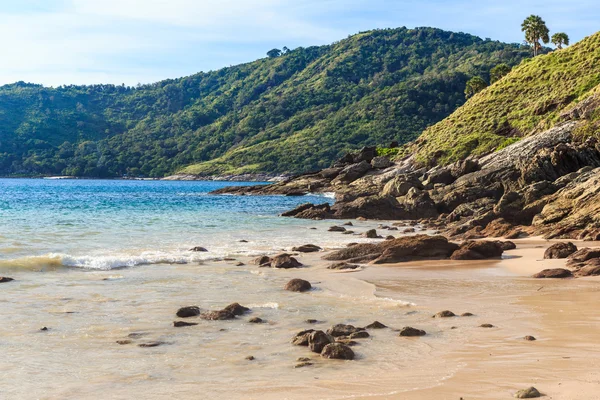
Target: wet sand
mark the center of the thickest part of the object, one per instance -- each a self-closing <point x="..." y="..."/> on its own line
<point x="79" y="359"/>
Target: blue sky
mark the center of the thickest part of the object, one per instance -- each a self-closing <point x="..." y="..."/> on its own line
<point x="56" y="42"/>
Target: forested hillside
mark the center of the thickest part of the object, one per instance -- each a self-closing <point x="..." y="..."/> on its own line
<point x="291" y="113"/>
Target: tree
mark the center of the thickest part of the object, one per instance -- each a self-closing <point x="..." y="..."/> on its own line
<point x="535" y="30"/>
<point x="474" y="86"/>
<point x="285" y="50"/>
<point x="274" y="53"/>
<point x="560" y="39"/>
<point x="498" y="72"/>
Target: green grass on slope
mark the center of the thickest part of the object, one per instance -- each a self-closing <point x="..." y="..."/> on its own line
<point x="527" y="100"/>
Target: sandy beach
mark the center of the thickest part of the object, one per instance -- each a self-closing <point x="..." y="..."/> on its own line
<point x="456" y="359"/>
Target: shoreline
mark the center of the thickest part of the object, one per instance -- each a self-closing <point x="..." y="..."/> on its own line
<point x="469" y="361"/>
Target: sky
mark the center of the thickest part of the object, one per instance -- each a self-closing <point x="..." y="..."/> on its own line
<point x="56" y="42"/>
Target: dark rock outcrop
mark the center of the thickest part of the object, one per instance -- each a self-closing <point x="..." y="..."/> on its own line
<point x="478" y="250"/>
<point x="343" y="330"/>
<point x="5" y="279"/>
<point x="375" y="325"/>
<point x="301" y="338"/>
<point x="198" y="249"/>
<point x="444" y="314"/>
<point x="236" y="309"/>
<point x="180" y="324"/>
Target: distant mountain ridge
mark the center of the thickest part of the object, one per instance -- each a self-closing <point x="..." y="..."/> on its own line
<point x="293" y="113"/>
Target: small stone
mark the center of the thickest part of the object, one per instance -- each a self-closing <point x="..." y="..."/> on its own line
<point x="180" y="324"/>
<point x="411" y="332"/>
<point x="136" y="335"/>
<point x="239" y="264"/>
<point x="348" y="224"/>
<point x="530" y="338"/>
<point x="303" y="364"/>
<point x="5" y="279"/>
<point x="122" y="342"/>
<point x="256" y="320"/>
<point x="151" y="344"/>
<point x="186" y="312"/>
<point x="250" y="358"/>
<point x="303" y="359"/>
<point x="528" y="393"/>
<point x="486" y="326"/>
<point x="199" y="249"/>
<point x="44" y="329"/>
<point x="311" y="321"/>
<point x="444" y="314"/>
<point x="467" y="314"/>
<point x="342" y="265"/>
<point x="337" y="229"/>
<point x="243" y="241"/>
<point x="371" y="234"/>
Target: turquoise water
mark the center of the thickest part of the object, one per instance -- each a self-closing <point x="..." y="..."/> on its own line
<point x="104" y="224"/>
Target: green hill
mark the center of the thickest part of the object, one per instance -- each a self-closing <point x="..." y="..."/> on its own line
<point x="292" y="113"/>
<point x="529" y="99"/>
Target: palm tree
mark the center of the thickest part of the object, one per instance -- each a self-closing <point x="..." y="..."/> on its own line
<point x="535" y="30"/>
<point x="559" y="39"/>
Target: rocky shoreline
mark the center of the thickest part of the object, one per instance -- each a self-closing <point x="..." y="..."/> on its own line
<point x="545" y="184"/>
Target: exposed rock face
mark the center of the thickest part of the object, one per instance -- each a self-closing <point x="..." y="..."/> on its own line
<point x="546" y="183"/>
<point x="381" y="163"/>
<point x="285" y="261"/>
<point x="554" y="273"/>
<point x="337" y="351"/>
<point x="583" y="255"/>
<point x="560" y="250"/>
<point x="186" y="312"/>
<point x="298" y="285"/>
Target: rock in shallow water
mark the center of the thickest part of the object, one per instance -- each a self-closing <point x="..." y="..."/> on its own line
<point x="375" y="325"/>
<point x="220" y="315"/>
<point x="444" y="314"/>
<point x="343" y="330"/>
<point x="236" y="309"/>
<point x="337" y="351"/>
<point x="4" y="279"/>
<point x="317" y="340"/>
<point x="181" y="324"/>
<point x="256" y="320"/>
<point x="410" y="332"/>
<point x="198" y="249"/>
<point x="307" y="248"/>
<point x="301" y="338"/>
<point x="186" y="312"/>
<point x="298" y="285"/>
<point x="285" y="261"/>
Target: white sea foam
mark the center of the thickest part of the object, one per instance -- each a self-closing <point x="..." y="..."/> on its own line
<point x="274" y="306"/>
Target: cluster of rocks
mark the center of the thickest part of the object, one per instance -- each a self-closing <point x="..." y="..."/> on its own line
<point x="229" y="312"/>
<point x="580" y="262"/>
<point x="419" y="247"/>
<point x="544" y="184"/>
